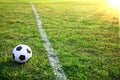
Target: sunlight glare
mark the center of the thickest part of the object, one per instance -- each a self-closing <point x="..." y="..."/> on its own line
<point x="115" y="3"/>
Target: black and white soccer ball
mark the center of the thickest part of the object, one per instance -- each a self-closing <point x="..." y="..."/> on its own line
<point x="22" y="53"/>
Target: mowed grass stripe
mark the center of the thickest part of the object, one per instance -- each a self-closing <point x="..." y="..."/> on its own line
<point x="18" y="26"/>
<point x="57" y="68"/>
<point x="86" y="33"/>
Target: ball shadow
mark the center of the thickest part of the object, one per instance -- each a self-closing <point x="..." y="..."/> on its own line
<point x="8" y="69"/>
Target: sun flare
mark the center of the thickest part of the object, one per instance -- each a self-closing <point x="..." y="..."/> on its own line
<point x="115" y="3"/>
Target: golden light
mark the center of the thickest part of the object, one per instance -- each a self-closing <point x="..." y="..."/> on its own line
<point x="115" y="3"/>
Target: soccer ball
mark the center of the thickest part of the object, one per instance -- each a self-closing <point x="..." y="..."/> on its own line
<point x="22" y="53"/>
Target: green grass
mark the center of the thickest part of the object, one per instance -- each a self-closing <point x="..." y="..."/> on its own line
<point x="18" y="26"/>
<point x="84" y="35"/>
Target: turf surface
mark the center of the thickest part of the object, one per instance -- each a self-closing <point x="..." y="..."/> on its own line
<point x="84" y="35"/>
<point x="18" y="26"/>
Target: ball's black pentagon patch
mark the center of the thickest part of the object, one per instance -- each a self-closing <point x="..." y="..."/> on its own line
<point x="18" y="48"/>
<point x="22" y="57"/>
<point x="28" y="51"/>
<point x="13" y="56"/>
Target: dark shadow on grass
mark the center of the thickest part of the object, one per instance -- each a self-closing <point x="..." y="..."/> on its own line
<point x="8" y="69"/>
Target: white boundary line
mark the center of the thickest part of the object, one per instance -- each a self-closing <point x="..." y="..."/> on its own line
<point x="57" y="68"/>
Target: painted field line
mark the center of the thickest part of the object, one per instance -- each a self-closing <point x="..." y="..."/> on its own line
<point x="57" y="68"/>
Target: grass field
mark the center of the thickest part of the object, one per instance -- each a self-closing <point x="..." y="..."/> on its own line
<point x="84" y="35"/>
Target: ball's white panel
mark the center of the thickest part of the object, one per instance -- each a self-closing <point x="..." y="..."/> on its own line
<point x="22" y="50"/>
